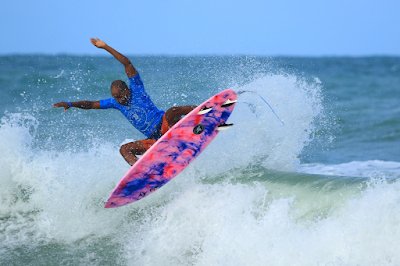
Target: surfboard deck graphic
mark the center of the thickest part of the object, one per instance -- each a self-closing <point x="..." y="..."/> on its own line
<point x="175" y="150"/>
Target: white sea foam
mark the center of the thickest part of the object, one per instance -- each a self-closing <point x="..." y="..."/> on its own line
<point x="235" y="225"/>
<point x="258" y="136"/>
<point x="57" y="196"/>
<point x="372" y="168"/>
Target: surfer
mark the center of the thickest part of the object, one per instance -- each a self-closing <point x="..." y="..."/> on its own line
<point x="135" y="104"/>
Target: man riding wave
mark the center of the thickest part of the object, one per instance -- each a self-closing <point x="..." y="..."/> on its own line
<point x="135" y="104"/>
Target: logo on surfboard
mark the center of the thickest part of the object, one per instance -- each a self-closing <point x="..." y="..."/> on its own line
<point x="198" y="129"/>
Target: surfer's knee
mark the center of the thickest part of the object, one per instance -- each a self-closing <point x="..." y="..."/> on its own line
<point x="128" y="148"/>
<point x="171" y="112"/>
<point x="180" y="110"/>
<point x="136" y="148"/>
<point x="174" y="114"/>
<point x="128" y="152"/>
<point x="123" y="149"/>
<point x="129" y="157"/>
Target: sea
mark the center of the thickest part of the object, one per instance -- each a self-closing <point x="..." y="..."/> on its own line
<point x="308" y="175"/>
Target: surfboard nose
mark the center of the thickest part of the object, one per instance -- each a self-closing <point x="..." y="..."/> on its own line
<point x="114" y="202"/>
<point x="110" y="204"/>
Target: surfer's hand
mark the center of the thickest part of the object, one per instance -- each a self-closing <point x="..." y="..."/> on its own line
<point x="98" y="43"/>
<point x="62" y="104"/>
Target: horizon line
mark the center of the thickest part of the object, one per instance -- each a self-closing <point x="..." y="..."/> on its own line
<point x="200" y="55"/>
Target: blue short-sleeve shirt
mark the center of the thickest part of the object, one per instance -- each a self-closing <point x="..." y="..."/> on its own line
<point x="140" y="110"/>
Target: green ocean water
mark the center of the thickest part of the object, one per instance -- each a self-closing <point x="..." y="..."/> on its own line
<point x="317" y="185"/>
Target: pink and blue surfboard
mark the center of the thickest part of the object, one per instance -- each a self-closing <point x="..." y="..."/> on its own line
<point x="175" y="150"/>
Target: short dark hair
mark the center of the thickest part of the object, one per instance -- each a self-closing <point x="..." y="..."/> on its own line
<point x="120" y="84"/>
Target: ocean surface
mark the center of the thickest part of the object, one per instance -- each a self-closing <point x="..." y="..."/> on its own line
<point x="313" y="181"/>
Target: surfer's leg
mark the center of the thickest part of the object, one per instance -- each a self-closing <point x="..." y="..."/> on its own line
<point x="130" y="150"/>
<point x="174" y="114"/>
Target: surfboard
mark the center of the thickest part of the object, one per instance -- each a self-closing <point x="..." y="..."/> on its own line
<point x="175" y="150"/>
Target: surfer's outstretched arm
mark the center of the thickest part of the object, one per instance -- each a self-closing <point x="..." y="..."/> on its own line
<point x="80" y="104"/>
<point x="129" y="68"/>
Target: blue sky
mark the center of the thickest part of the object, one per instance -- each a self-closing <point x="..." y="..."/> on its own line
<point x="269" y="27"/>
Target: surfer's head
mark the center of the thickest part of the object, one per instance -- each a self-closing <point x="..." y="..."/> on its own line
<point x="120" y="92"/>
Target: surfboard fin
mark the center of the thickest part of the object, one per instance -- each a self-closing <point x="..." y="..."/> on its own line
<point x="224" y="126"/>
<point x="204" y="110"/>
<point x="228" y="103"/>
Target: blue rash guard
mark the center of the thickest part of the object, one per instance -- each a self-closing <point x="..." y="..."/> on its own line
<point x="140" y="110"/>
